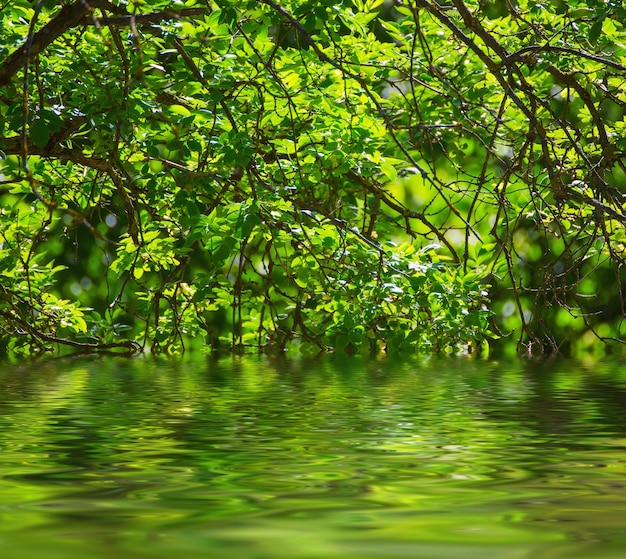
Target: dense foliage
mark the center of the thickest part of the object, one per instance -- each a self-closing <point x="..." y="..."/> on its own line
<point x="358" y="175"/>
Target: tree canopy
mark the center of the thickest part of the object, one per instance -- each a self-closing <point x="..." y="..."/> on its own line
<point x="358" y="175"/>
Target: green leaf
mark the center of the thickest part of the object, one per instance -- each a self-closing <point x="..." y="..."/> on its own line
<point x="40" y="133"/>
<point x="180" y="110"/>
<point x="609" y="28"/>
<point x="596" y="30"/>
<point x="389" y="171"/>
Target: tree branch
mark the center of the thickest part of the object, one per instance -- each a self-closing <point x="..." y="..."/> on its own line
<point x="14" y="147"/>
<point x="69" y="16"/>
<point x="73" y="15"/>
<point x="153" y="17"/>
<point x="128" y="347"/>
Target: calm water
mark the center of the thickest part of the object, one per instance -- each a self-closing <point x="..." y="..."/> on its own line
<point x="256" y="458"/>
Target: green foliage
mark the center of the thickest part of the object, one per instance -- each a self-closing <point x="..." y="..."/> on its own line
<point x="330" y="175"/>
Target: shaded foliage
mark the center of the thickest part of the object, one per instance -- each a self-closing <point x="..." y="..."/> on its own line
<point x="350" y="175"/>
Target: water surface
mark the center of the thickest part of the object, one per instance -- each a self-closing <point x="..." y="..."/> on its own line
<point x="271" y="458"/>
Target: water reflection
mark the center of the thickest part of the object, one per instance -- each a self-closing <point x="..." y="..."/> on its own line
<point x="272" y="458"/>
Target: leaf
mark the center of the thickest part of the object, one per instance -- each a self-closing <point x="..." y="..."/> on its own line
<point x="609" y="28"/>
<point x="596" y="30"/>
<point x="180" y="110"/>
<point x="79" y="323"/>
<point x="214" y="18"/>
<point x="389" y="171"/>
<point x="430" y="248"/>
<point x="40" y="133"/>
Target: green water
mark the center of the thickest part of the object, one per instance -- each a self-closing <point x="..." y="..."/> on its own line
<point x="261" y="458"/>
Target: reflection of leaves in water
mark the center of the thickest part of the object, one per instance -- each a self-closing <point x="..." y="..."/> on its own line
<point x="347" y="457"/>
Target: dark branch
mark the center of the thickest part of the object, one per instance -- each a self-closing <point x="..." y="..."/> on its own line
<point x="520" y="54"/>
<point x="14" y="147"/>
<point x="69" y="16"/>
<point x="153" y="17"/>
<point x="73" y="15"/>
